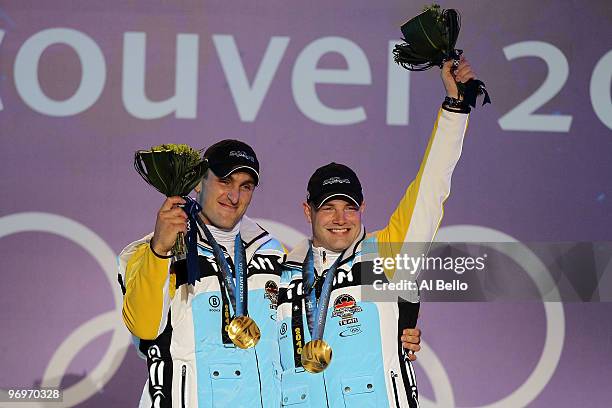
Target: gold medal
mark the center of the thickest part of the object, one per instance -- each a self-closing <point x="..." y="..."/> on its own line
<point x="243" y="332"/>
<point x="316" y="356"/>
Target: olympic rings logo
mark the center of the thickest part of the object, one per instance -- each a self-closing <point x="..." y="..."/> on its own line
<point x="90" y="330"/>
<point x="555" y="322"/>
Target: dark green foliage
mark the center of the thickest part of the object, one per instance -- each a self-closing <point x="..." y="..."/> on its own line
<point x="174" y="170"/>
<point x="430" y="39"/>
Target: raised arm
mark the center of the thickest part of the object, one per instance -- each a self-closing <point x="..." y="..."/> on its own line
<point x="144" y="267"/>
<point x="419" y="213"/>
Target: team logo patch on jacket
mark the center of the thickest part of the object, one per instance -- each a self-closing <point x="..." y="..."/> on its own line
<point x="271" y="293"/>
<point x="345" y="307"/>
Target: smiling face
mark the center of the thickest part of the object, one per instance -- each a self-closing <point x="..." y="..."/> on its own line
<point x="335" y="225"/>
<point x="224" y="200"/>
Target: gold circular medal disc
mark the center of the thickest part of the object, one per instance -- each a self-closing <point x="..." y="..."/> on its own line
<point x="316" y="356"/>
<point x="243" y="332"/>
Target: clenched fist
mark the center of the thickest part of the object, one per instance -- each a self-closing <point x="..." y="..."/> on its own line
<point x="451" y="76"/>
<point x="410" y="341"/>
<point x="171" y="219"/>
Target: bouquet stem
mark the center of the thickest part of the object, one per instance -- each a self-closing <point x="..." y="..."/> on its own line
<point x="179" y="250"/>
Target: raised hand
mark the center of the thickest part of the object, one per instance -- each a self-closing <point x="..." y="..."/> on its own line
<point x="171" y="219"/>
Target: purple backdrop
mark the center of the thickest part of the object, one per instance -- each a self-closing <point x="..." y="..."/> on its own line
<point x="535" y="166"/>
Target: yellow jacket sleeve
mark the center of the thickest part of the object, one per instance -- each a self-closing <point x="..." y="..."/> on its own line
<point x="149" y="288"/>
<point x="419" y="213"/>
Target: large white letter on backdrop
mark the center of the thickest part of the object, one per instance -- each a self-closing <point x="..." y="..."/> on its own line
<point x="92" y="79"/>
<point x="184" y="101"/>
<point x="248" y="98"/>
<point x="306" y="76"/>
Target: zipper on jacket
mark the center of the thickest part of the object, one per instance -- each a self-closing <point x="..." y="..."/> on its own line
<point x="325" y="387"/>
<point x="259" y="378"/>
<point x="393" y="376"/>
<point x="183" y="385"/>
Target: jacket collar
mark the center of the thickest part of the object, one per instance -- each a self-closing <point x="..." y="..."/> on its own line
<point x="252" y="234"/>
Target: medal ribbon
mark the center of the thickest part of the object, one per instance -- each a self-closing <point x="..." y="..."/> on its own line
<point x="239" y="301"/>
<point x="192" y="208"/>
<point x="316" y="310"/>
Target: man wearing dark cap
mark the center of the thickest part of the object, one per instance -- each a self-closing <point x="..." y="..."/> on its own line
<point x="339" y="348"/>
<point x="199" y="340"/>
